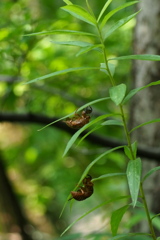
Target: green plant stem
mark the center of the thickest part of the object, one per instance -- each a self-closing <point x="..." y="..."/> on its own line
<point x="127" y="135"/>
<point x="141" y="186"/>
<point x="147" y="212"/>
<point x="126" y="131"/>
<point x="105" y="56"/>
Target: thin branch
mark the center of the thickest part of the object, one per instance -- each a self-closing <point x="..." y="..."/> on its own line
<point x="148" y="153"/>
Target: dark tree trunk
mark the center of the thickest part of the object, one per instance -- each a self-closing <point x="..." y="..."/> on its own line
<point x="12" y="219"/>
<point x="146" y="105"/>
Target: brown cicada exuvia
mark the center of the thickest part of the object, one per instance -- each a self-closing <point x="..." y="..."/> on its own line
<point x="85" y="191"/>
<point x="79" y="120"/>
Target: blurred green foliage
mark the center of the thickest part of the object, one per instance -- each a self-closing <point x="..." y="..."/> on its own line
<point x="42" y="178"/>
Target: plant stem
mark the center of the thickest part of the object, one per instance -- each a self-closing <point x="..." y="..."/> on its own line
<point x="126" y="131"/>
<point x="105" y="56"/>
<point x="141" y="186"/>
<point x="147" y="212"/>
<point x="127" y="134"/>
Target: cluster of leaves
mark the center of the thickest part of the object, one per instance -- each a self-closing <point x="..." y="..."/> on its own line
<point x="117" y="93"/>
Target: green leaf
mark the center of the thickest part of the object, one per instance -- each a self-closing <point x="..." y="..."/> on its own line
<point x="112" y="122"/>
<point x="138" y="204"/>
<point x="146" y="123"/>
<point x="134" y="148"/>
<point x="79" y="109"/>
<point x="108" y="175"/>
<point x="93" y="209"/>
<point x="154" y="216"/>
<point x="74" y="43"/>
<point x="90" y="9"/>
<point x="76" y="135"/>
<point x="150" y="172"/>
<point x="96" y="160"/>
<point x="144" y="57"/>
<point x="136" y="90"/>
<point x="80" y="13"/>
<point x="104" y="9"/>
<point x="119" y="24"/>
<point x="88" y="133"/>
<point x="156" y="223"/>
<point x="96" y="47"/>
<point x="111" y="67"/>
<point x="68" y="2"/>
<point x="71" y="32"/>
<point x="116" y="219"/>
<point x="134" y="177"/>
<point x="61" y="72"/>
<point x="128" y="152"/>
<point x="87" y="170"/>
<point x="117" y="93"/>
<point x="111" y="13"/>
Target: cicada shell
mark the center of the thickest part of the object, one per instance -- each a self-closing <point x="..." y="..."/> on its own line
<point x="79" y="120"/>
<point x="84" y="192"/>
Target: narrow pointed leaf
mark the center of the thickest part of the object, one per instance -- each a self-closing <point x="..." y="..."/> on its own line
<point x="90" y="9"/>
<point x="138" y="204"/>
<point x="116" y="219"/>
<point x="76" y="135"/>
<point x="146" y="123"/>
<point x="108" y="175"/>
<point x="88" y="133"/>
<point x="79" y="109"/>
<point x="111" y="67"/>
<point x="93" y="209"/>
<point x="60" y="73"/>
<point x="111" y="13"/>
<point x="156" y="224"/>
<point x="157" y="215"/>
<point x="84" y="50"/>
<point x="80" y="13"/>
<point x="97" y="159"/>
<point x="128" y="152"/>
<point x="134" y="148"/>
<point x="104" y="9"/>
<point x="74" y="43"/>
<point x="93" y="102"/>
<point x="136" y="90"/>
<point x="112" y="122"/>
<point x="150" y="172"/>
<point x="144" y="57"/>
<point x="134" y="177"/>
<point x="87" y="170"/>
<point x="117" y="93"/>
<point x="53" y="32"/>
<point x="119" y="24"/>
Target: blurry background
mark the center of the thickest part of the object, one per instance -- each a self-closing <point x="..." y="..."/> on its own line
<point x="34" y="178"/>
